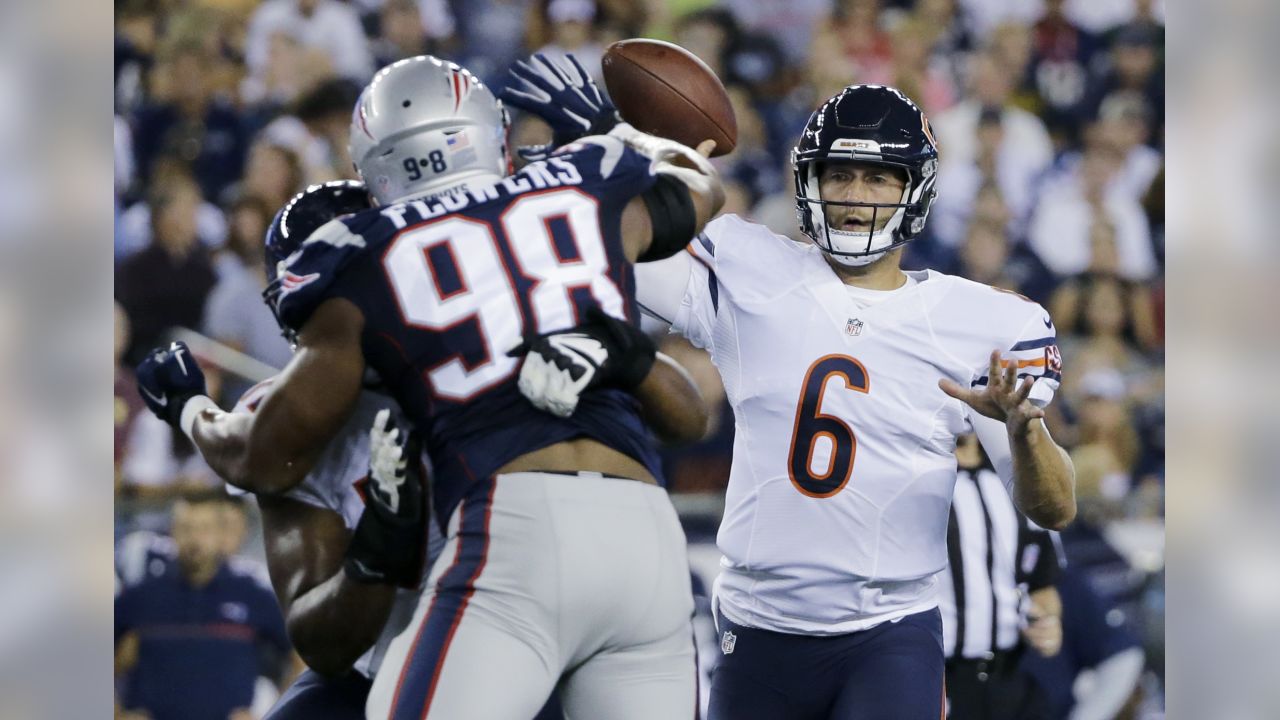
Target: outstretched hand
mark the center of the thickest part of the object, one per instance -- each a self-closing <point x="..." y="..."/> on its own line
<point x="1003" y="399"/>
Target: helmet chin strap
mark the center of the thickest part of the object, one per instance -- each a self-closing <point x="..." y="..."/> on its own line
<point x="855" y="260"/>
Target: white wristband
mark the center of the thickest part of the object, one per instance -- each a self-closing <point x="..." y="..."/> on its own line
<point x="194" y="407"/>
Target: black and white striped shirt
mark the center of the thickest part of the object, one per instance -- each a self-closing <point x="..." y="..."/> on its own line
<point x="997" y="556"/>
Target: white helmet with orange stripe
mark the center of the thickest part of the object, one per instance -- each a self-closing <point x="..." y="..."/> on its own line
<point x="424" y="126"/>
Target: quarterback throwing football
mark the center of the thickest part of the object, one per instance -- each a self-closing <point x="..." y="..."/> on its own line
<point x="850" y="380"/>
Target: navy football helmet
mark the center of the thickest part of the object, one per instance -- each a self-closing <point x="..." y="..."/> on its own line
<point x="874" y="124"/>
<point x="297" y="220"/>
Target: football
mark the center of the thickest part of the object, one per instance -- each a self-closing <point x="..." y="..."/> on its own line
<point x="665" y="90"/>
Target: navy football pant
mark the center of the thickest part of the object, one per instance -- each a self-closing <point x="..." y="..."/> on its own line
<point x="312" y="697"/>
<point x="892" y="671"/>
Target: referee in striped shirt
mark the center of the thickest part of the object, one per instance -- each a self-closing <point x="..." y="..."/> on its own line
<point x="997" y="598"/>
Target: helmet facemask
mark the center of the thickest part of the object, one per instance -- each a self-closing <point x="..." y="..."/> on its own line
<point x="880" y="126"/>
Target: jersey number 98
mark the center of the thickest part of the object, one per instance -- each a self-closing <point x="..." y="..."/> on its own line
<point x="815" y="431"/>
<point x="484" y="294"/>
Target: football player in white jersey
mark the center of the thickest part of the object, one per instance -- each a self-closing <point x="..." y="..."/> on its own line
<point x="850" y="380"/>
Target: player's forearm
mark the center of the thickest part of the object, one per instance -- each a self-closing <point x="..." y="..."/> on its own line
<point x="334" y="623"/>
<point x="672" y="405"/>
<point x="1044" y="479"/>
<point x="226" y="441"/>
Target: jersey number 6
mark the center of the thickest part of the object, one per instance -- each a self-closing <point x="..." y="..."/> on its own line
<point x="813" y="426"/>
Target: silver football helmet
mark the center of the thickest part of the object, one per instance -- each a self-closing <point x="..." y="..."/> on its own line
<point x="423" y="126"/>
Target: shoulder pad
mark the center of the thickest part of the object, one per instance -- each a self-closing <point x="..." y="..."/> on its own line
<point x="309" y="274"/>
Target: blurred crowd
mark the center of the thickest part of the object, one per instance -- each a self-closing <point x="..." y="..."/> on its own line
<point x="1049" y="116"/>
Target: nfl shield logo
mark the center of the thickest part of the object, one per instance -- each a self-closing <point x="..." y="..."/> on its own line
<point x="853" y="327"/>
<point x="727" y="642"/>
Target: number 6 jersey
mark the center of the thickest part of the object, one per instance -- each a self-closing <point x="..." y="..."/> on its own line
<point x="843" y="457"/>
<point x="449" y="284"/>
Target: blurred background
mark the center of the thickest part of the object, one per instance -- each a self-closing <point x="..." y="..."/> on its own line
<point x="1050" y="115"/>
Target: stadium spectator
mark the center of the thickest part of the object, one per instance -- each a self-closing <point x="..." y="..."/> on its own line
<point x="1124" y="120"/>
<point x="136" y="36"/>
<point x="330" y="28"/>
<point x="708" y="33"/>
<point x="988" y="256"/>
<point x="273" y="175"/>
<point x="235" y="314"/>
<point x="127" y="403"/>
<point x="402" y="33"/>
<point x="316" y="131"/>
<point x="183" y="118"/>
<point x="199" y="630"/>
<point x="1135" y="66"/>
<point x="995" y="168"/>
<point x="856" y="32"/>
<point x="751" y="163"/>
<point x="914" y="70"/>
<point x="133" y="231"/>
<point x="167" y="283"/>
<point x="951" y="36"/>
<point x="1061" y="68"/>
<point x="491" y="36"/>
<point x="1096" y="673"/>
<point x="567" y="26"/>
<point x="1144" y="19"/>
<point x="1024" y="150"/>
<point x="986" y="15"/>
<point x="791" y="23"/>
<point x="1074" y="201"/>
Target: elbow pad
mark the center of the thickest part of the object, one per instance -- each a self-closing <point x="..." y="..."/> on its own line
<point x="672" y="215"/>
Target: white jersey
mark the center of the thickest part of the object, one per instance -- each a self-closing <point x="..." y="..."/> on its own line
<point x="335" y="484"/>
<point x="843" y="459"/>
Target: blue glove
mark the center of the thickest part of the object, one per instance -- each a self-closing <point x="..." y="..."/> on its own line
<point x="167" y="379"/>
<point x="560" y="92"/>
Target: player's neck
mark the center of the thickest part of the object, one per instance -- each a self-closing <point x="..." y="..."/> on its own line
<point x="883" y="274"/>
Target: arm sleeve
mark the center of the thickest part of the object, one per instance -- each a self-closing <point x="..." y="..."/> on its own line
<point x="682" y="291"/>
<point x="1035" y="350"/>
<point x="995" y="443"/>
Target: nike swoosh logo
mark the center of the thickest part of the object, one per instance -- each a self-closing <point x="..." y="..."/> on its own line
<point x="1048" y="323"/>
<point x="161" y="401"/>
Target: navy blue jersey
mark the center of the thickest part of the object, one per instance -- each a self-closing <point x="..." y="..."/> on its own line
<point x="449" y="284"/>
<point x="200" y="650"/>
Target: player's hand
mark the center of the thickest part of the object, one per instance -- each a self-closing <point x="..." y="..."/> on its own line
<point x="1044" y="634"/>
<point x="386" y="547"/>
<point x="167" y="379"/>
<point x="601" y="352"/>
<point x="1003" y="398"/>
<point x="559" y="91"/>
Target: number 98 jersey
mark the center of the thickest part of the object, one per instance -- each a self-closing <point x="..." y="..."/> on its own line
<point x="843" y="458"/>
<point x="448" y="284"/>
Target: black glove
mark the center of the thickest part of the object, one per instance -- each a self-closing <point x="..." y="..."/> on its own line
<point x="561" y="92"/>
<point x="388" y="542"/>
<point x="167" y="379"/>
<point x="601" y="352"/>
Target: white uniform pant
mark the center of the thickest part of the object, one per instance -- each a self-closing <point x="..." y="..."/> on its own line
<point x="580" y="581"/>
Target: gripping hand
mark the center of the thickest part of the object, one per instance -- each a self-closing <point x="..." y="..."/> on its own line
<point x="559" y="91"/>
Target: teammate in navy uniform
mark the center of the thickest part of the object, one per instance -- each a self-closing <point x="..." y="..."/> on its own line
<point x="565" y="562"/>
<point x="336" y="544"/>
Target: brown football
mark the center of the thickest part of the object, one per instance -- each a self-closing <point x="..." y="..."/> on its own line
<point x="666" y="90"/>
